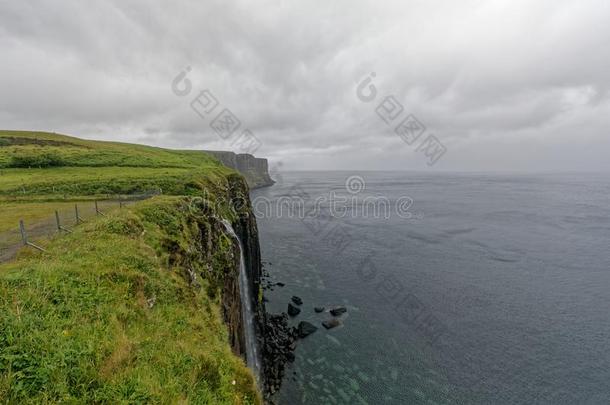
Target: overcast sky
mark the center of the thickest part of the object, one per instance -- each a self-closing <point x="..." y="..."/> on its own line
<point x="503" y="85"/>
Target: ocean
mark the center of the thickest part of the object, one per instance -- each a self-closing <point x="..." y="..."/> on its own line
<point x="459" y="288"/>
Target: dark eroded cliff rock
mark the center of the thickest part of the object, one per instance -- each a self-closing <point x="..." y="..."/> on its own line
<point x="276" y="339"/>
<point x="255" y="170"/>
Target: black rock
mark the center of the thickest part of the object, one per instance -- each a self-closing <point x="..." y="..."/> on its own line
<point x="338" y="311"/>
<point x="280" y="284"/>
<point x="332" y="323"/>
<point x="293" y="311"/>
<point x="305" y="329"/>
<point x="277" y="346"/>
<point x="297" y="300"/>
<point x="290" y="357"/>
<point x="319" y="309"/>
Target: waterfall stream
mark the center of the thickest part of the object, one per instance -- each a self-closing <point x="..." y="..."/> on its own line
<point x="252" y="356"/>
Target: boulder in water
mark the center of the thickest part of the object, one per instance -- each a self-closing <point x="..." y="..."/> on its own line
<point x="318" y="309"/>
<point x="332" y="323"/>
<point x="290" y="357"/>
<point x="297" y="300"/>
<point x="293" y="311"/>
<point x="305" y="329"/>
<point x="338" y="311"/>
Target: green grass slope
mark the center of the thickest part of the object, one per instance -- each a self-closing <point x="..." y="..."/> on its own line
<point x="23" y="149"/>
<point x="40" y="167"/>
<point x="40" y="164"/>
<point x="105" y="316"/>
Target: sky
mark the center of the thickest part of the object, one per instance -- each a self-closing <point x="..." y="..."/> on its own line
<point x="484" y="85"/>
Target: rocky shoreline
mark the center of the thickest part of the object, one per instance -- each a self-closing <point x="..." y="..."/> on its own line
<point x="279" y="340"/>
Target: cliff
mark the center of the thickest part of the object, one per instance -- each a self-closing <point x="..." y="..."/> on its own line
<point x="255" y="170"/>
<point x="140" y="305"/>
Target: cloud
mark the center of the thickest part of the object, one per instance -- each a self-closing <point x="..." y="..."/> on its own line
<point x="489" y="79"/>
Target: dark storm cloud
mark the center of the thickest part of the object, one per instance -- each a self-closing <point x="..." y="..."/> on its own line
<point x="503" y="84"/>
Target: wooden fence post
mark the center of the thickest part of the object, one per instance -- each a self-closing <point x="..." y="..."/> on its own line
<point x="57" y="221"/>
<point x="97" y="210"/>
<point x="59" y="227"/>
<point x="78" y="218"/>
<point x="24" y="237"/>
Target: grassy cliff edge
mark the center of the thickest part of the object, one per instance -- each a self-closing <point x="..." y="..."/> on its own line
<point x="134" y="307"/>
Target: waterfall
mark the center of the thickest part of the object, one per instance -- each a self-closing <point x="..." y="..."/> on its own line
<point x="252" y="356"/>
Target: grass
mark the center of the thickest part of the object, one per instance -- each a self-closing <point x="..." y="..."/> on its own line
<point x="107" y="316"/>
<point x="77" y="324"/>
<point x="85" y="170"/>
<point x="30" y="213"/>
<point x="90" y="180"/>
<point x="70" y="151"/>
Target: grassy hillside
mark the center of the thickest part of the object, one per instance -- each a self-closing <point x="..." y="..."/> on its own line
<point x="32" y="149"/>
<point x="39" y="164"/>
<point x="107" y="314"/>
<point x="39" y="167"/>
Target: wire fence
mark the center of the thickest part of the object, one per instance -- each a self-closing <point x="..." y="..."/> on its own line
<point x="34" y="232"/>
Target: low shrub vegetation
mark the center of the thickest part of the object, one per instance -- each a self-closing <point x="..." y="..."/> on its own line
<point x="40" y="160"/>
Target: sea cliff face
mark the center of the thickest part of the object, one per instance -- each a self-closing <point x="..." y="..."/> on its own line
<point x="276" y="340"/>
<point x="244" y="224"/>
<point x="255" y="170"/>
<point x="213" y="255"/>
